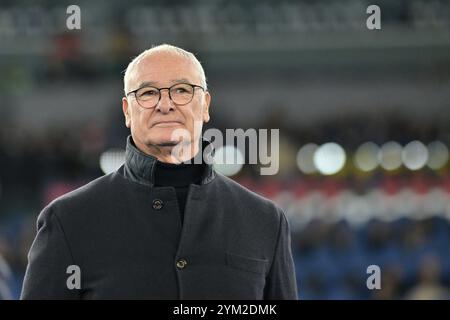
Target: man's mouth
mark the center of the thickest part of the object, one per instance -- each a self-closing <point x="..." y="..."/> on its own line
<point x="167" y="124"/>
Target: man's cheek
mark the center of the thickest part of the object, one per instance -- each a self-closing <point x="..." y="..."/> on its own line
<point x="144" y="120"/>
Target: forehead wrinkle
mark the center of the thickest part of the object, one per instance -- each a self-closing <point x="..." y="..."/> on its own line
<point x="145" y="79"/>
<point x="155" y="83"/>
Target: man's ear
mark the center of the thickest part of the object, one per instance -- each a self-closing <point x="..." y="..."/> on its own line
<point x="126" y="112"/>
<point x="206" y="107"/>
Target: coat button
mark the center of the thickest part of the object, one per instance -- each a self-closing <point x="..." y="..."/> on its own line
<point x="157" y="204"/>
<point x="181" y="263"/>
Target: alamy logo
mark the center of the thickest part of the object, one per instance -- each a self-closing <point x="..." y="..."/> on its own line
<point x="374" y="280"/>
<point x="74" y="280"/>
<point x="74" y="20"/>
<point x="263" y="146"/>
<point x="374" y="20"/>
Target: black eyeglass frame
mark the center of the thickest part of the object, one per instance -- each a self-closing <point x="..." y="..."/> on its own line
<point x="168" y="89"/>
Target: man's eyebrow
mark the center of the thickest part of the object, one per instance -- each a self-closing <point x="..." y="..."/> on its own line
<point x="146" y="84"/>
<point x="180" y="80"/>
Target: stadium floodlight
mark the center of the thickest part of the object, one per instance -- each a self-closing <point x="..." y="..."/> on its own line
<point x="390" y="155"/>
<point x="366" y="157"/>
<point x="437" y="155"/>
<point x="305" y="158"/>
<point x="415" y="155"/>
<point x="329" y="158"/>
<point x="111" y="160"/>
<point x="228" y="160"/>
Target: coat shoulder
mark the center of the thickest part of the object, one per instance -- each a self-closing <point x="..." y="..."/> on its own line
<point x="92" y="192"/>
<point x="253" y="201"/>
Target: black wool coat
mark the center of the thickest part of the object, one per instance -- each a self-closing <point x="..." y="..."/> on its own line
<point x="126" y="238"/>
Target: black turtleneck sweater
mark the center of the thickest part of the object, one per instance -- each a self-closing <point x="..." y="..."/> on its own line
<point x="179" y="176"/>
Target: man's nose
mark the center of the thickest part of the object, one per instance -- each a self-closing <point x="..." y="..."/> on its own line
<point x="165" y="104"/>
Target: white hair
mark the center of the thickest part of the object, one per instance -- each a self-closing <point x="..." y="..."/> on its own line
<point x="167" y="48"/>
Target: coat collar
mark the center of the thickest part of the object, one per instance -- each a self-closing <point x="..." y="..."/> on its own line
<point x="139" y="167"/>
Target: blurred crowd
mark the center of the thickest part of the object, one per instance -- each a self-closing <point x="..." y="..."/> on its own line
<point x="332" y="259"/>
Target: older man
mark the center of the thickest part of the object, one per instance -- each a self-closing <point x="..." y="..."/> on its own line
<point x="161" y="226"/>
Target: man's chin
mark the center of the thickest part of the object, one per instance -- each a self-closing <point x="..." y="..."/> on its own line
<point x="165" y="142"/>
<point x="168" y="140"/>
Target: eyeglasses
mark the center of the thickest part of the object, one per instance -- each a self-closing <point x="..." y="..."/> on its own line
<point x="180" y="94"/>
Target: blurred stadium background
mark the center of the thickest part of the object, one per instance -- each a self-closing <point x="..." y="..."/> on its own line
<point x="364" y="119"/>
